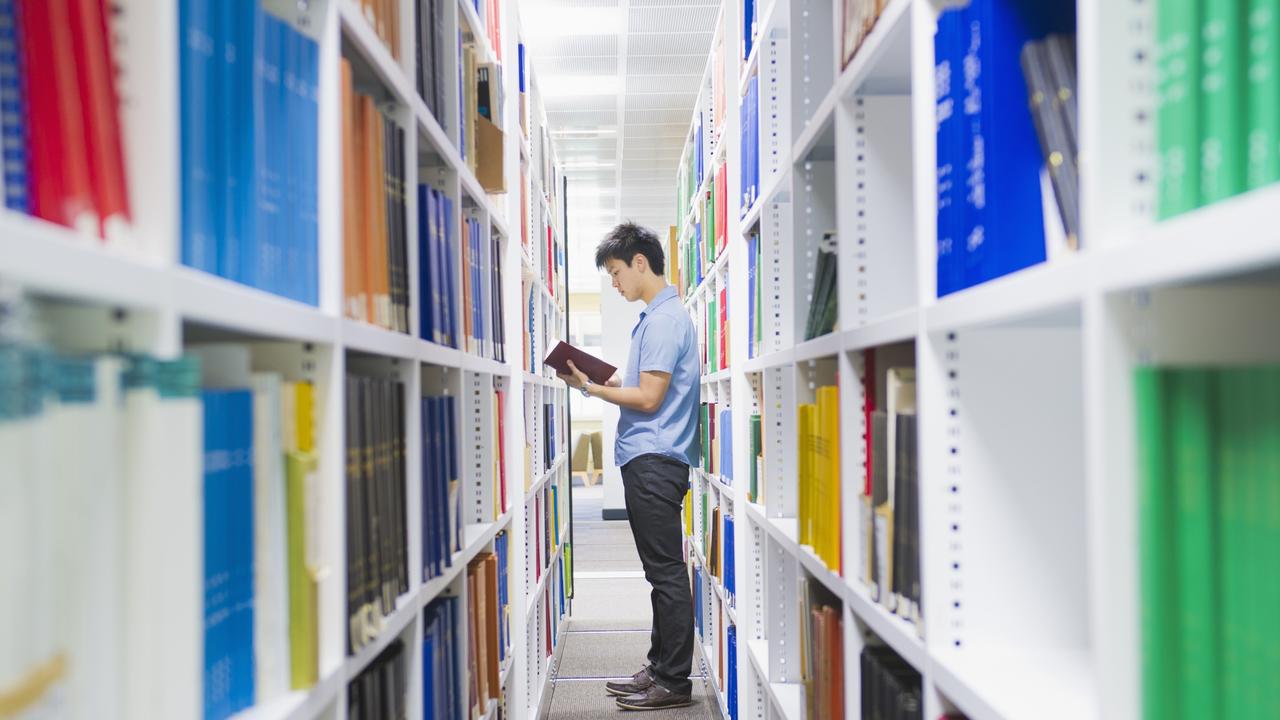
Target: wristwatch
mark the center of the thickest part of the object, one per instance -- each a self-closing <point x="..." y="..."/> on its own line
<point x="586" y="384"/>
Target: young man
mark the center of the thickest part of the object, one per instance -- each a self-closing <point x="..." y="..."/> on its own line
<point x="656" y="445"/>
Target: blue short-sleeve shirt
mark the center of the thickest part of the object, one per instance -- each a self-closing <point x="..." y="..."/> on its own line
<point x="662" y="341"/>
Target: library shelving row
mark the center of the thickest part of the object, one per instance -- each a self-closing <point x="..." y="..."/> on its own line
<point x="951" y="474"/>
<point x="282" y="357"/>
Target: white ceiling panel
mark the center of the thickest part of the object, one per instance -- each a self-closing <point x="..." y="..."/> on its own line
<point x="666" y="65"/>
<point x="657" y="50"/>
<point x="673" y="17"/>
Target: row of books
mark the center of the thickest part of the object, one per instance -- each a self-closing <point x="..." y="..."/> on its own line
<point x="441" y="677"/>
<point x="545" y="532"/>
<point x="381" y="690"/>
<point x="1218" y="106"/>
<point x="891" y="688"/>
<point x="376" y="511"/>
<point x="60" y="117"/>
<point x="713" y="338"/>
<point x="262" y="554"/>
<point x="756" y="470"/>
<point x="717" y="543"/>
<point x="822" y="652"/>
<point x="499" y="434"/>
<point x="749" y="118"/>
<point x="105" y="609"/>
<point x="818" y="465"/>
<point x="750" y="29"/>
<point x="480" y="116"/>
<point x="375" y="235"/>
<point x="715" y="433"/>
<point x="690" y="173"/>
<point x="249" y="145"/>
<point x="429" y="56"/>
<point x="384" y="17"/>
<point x="483" y="639"/>
<point x="483" y="325"/>
<point x="489" y="12"/>
<point x="441" y="485"/>
<point x="891" y="503"/>
<point x="437" y="299"/>
<point x="1207" y="502"/>
<point x="698" y="249"/>
<point x="824" y="303"/>
<point x="719" y="639"/>
<point x="857" y="19"/>
<point x="989" y="161"/>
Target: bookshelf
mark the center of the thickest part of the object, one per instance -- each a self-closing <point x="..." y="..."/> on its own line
<point x="1027" y="459"/>
<point x="67" y="292"/>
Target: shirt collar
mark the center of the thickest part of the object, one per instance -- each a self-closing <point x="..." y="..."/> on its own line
<point x="665" y="294"/>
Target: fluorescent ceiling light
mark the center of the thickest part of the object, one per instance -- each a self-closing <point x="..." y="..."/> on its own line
<point x="551" y="22"/>
<point x="584" y="132"/>
<point x="588" y="165"/>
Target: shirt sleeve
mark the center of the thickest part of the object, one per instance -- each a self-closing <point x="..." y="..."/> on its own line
<point x="659" y="345"/>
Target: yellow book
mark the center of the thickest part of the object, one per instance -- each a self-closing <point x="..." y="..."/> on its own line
<point x="688" y="512"/>
<point x="303" y="622"/>
<point x="304" y="406"/>
<point x="806" y="471"/>
<point x="829" y="444"/>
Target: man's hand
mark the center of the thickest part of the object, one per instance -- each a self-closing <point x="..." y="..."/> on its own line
<point x="576" y="380"/>
<point x="615" y="381"/>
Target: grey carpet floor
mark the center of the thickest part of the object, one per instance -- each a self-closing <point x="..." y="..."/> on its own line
<point x="608" y="634"/>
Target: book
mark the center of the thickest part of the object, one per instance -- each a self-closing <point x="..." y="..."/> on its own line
<point x="1178" y="59"/>
<point x="1222" y="101"/>
<point x="381" y="690"/>
<point x="1051" y="92"/>
<point x="596" y="369"/>
<point x="1262" y="94"/>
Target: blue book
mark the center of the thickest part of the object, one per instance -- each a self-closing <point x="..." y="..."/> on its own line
<point x="748" y="27"/>
<point x="948" y="113"/>
<point x="428" y="674"/>
<point x="520" y="64"/>
<point x="237" y="260"/>
<point x="13" y="112"/>
<point x="425" y="306"/>
<point x="726" y="446"/>
<point x="199" y="144"/>
<point x="731" y="691"/>
<point x="729" y="581"/>
<point x="309" y="190"/>
<point x="215" y="464"/>
<point x="239" y="418"/>
<point x="1003" y="226"/>
<point x="271" y="127"/>
<point x="449" y="270"/>
<point x="288" y="127"/>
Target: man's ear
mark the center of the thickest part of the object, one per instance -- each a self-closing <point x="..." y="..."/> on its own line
<point x="642" y="260"/>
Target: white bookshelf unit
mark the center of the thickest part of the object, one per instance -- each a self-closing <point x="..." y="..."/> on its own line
<point x="1027" y="451"/>
<point x="92" y="297"/>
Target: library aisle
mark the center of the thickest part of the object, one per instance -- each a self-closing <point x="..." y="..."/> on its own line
<point x="608" y="628"/>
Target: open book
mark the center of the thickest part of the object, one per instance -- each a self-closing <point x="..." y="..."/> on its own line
<point x="598" y="370"/>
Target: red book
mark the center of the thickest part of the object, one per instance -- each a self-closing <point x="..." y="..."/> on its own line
<point x="724" y="328"/>
<point x="70" y="155"/>
<point x="502" y="451"/>
<point x="98" y="100"/>
<point x="722" y="207"/>
<point x="868" y="407"/>
<point x="596" y="369"/>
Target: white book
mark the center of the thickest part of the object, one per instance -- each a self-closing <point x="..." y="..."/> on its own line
<point x="90" y="545"/>
<point x="271" y="575"/>
<point x="164" y="552"/>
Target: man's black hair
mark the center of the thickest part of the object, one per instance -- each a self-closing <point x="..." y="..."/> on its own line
<point x="624" y="241"/>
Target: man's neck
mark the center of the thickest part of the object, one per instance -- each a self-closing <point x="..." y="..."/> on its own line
<point x="652" y="289"/>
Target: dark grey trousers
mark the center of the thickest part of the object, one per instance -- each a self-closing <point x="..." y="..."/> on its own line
<point x="655" y="486"/>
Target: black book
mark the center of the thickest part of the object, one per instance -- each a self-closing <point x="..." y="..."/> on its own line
<point x="1056" y="143"/>
<point x="899" y="511"/>
<point x="355" y="512"/>
<point x="372" y="559"/>
<point x="398" y="465"/>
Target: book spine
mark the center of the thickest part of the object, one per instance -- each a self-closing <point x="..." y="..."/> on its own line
<point x="1222" y="144"/>
<point x="1178" y="59"/>
<point x="1263" y="94"/>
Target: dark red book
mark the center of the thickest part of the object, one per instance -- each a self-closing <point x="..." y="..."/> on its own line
<point x="598" y="370"/>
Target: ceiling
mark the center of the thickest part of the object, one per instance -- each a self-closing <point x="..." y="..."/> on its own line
<point x="619" y="80"/>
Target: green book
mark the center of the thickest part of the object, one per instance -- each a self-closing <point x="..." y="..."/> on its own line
<point x="1222" y="104"/>
<point x="1234" y="397"/>
<point x="1269" y="427"/>
<point x="1156" y="555"/>
<point x="1263" y="96"/>
<point x="753" y="487"/>
<point x="1177" y="118"/>
<point x="1194" y="520"/>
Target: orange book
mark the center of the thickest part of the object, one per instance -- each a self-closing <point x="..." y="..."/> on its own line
<point x="491" y="621"/>
<point x="376" y="278"/>
<point x="354" y="301"/>
<point x="835" y="662"/>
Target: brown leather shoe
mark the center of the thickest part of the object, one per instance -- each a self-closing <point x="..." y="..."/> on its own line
<point x="637" y="683"/>
<point x="655" y="697"/>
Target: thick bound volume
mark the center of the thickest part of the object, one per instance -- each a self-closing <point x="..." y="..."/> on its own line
<point x="822" y="653"/>
<point x="382" y="689"/>
<point x="750" y="119"/>
<point x="990" y="218"/>
<point x="437" y="299"/>
<point x="440" y="667"/>
<point x="441" y="486"/>
<point x="430" y="50"/>
<point x="596" y="369"/>
<point x="825" y="301"/>
<point x="890" y="686"/>
<point x="60" y="124"/>
<point x="249" y="141"/>
<point x="377" y="567"/>
<point x="1049" y="69"/>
